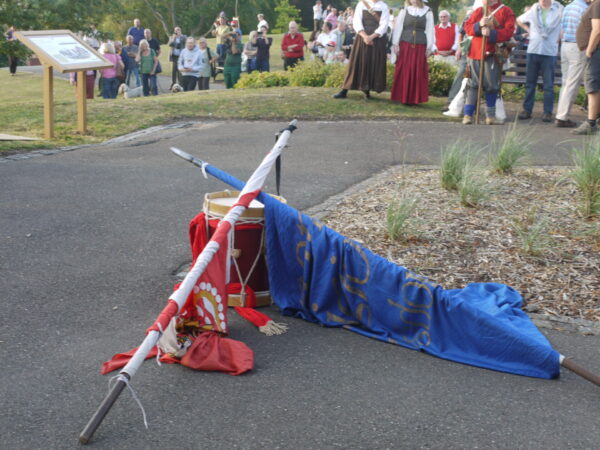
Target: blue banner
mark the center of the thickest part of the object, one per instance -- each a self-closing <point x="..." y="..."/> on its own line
<point x="323" y="277"/>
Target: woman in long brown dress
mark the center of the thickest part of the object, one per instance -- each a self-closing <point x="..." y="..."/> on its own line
<point x="413" y="40"/>
<point x="367" y="67"/>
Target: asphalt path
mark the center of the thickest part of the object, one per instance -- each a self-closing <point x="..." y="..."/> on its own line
<point x="91" y="239"/>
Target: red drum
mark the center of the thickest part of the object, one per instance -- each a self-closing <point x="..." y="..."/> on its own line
<point x="248" y="266"/>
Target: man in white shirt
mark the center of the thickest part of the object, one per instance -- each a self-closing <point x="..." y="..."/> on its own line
<point x="317" y="15"/>
<point x="446" y="39"/>
<point x="325" y="37"/>
<point x="261" y="22"/>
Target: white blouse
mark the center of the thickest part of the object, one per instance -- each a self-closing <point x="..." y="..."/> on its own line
<point x="415" y="11"/>
<point x="376" y="6"/>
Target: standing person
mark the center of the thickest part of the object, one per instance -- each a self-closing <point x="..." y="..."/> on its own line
<point x="190" y="65"/>
<point x="261" y="22"/>
<point x="221" y="31"/>
<point x="233" y="60"/>
<point x="317" y="15"/>
<point x="461" y="58"/>
<point x="447" y="38"/>
<point x="250" y="50"/>
<point x="147" y="60"/>
<point x="177" y="42"/>
<point x="588" y="37"/>
<point x="292" y="46"/>
<point x="498" y="28"/>
<point x="263" y="44"/>
<point x="132" y="68"/>
<point x="572" y="61"/>
<point x="412" y="40"/>
<point x="208" y="58"/>
<point x="124" y="59"/>
<point x="110" y="84"/>
<point x="332" y="18"/>
<point x="152" y="42"/>
<point x="13" y="61"/>
<point x="542" y="23"/>
<point x="367" y="67"/>
<point x="90" y="81"/>
<point x="137" y="31"/>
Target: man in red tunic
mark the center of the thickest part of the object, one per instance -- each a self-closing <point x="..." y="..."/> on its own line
<point x="498" y="26"/>
<point x="292" y="46"/>
<point x="446" y="39"/>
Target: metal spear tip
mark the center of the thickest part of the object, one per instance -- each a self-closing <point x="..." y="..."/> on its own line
<point x="182" y="154"/>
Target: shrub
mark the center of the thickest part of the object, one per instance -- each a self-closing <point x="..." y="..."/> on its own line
<point x="263" y="79"/>
<point x="586" y="176"/>
<point x="455" y="157"/>
<point x="310" y="73"/>
<point x="398" y="218"/>
<point x="441" y="76"/>
<point x="337" y="75"/>
<point x="532" y="233"/>
<point x="513" y="149"/>
<point x="473" y="188"/>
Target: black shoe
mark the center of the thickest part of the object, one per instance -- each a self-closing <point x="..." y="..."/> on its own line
<point x="565" y="123"/>
<point x="342" y="94"/>
<point x="524" y="115"/>
<point x="367" y="94"/>
<point x="547" y="118"/>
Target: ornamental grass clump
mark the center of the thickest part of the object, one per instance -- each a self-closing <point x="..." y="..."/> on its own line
<point x="514" y="149"/>
<point x="455" y="158"/>
<point x="586" y="176"/>
<point x="532" y="233"/>
<point x="473" y="187"/>
<point x="399" y="218"/>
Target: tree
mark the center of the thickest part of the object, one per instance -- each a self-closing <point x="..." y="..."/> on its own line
<point x="285" y="14"/>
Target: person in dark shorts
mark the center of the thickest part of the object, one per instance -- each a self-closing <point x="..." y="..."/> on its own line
<point x="588" y="38"/>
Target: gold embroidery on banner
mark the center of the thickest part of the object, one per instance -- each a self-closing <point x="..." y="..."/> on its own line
<point x="420" y="286"/>
<point x="338" y="296"/>
<point x="360" y="312"/>
<point x="333" y="259"/>
<point x="406" y="310"/>
<point x="299" y="245"/>
<point x="335" y="318"/>
<point x="361" y="252"/>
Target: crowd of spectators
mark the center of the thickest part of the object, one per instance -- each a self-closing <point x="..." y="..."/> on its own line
<point x="545" y="29"/>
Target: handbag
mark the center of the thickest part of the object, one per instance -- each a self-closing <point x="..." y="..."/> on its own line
<point x="158" y="68"/>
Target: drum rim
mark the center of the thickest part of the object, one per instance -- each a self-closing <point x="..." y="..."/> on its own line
<point x="221" y="210"/>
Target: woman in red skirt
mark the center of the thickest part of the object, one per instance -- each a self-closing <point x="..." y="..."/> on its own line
<point x="413" y="40"/>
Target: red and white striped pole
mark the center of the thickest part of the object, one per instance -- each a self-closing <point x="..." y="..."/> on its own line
<point x="178" y="298"/>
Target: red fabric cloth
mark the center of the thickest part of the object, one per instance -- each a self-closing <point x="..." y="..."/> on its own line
<point x="411" y="77"/>
<point x="212" y="352"/>
<point x="297" y="52"/>
<point x="253" y="316"/>
<point x="119" y="360"/>
<point x="504" y="30"/>
<point x="162" y="321"/>
<point x="444" y="37"/>
<point x="209" y="352"/>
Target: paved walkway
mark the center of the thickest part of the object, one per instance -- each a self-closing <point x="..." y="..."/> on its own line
<point x="91" y="240"/>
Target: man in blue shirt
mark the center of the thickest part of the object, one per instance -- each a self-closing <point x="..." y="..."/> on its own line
<point x="542" y="22"/>
<point x="137" y="31"/>
<point x="572" y="61"/>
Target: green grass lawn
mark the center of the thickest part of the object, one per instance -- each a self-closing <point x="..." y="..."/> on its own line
<point x="22" y="111"/>
<point x="275" y="60"/>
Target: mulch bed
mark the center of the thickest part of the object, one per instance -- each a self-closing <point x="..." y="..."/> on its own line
<point x="455" y="245"/>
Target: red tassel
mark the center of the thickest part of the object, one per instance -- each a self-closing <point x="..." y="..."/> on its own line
<point x="264" y="323"/>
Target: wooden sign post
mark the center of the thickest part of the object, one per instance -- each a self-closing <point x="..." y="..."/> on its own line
<point x="64" y="51"/>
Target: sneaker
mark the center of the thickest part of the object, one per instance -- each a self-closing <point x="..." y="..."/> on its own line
<point x="584" y="129"/>
<point x="467" y="120"/>
<point x="524" y="115"/>
<point x="493" y="121"/>
<point x="565" y="123"/>
<point x="547" y="118"/>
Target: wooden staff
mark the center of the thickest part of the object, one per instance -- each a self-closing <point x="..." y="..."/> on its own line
<point x="582" y="372"/>
<point x="481" y="64"/>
